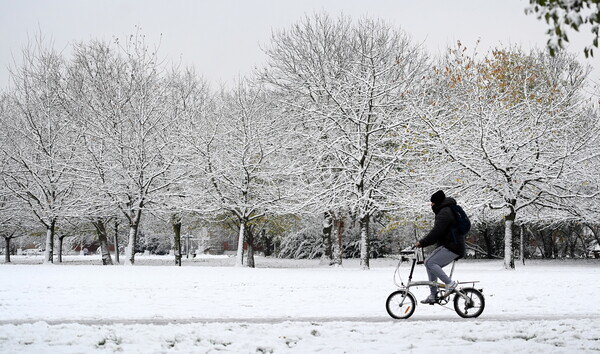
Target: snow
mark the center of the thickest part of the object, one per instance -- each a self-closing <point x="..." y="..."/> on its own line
<point x="286" y="306"/>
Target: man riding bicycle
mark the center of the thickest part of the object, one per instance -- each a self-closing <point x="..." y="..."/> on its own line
<point x="450" y="244"/>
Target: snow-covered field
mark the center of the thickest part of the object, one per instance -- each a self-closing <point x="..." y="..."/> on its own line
<point x="288" y="307"/>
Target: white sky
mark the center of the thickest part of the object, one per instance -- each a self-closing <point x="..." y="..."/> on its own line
<point x="222" y="38"/>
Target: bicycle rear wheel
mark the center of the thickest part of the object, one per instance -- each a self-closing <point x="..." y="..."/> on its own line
<point x="400" y="304"/>
<point x="471" y="304"/>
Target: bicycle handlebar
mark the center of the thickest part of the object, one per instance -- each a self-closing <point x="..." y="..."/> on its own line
<point x="415" y="254"/>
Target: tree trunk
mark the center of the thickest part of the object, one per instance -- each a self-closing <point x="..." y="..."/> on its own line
<point x="133" y="229"/>
<point x="60" y="247"/>
<point x="239" y="258"/>
<point x="522" y="245"/>
<point x="116" y="242"/>
<point x="573" y="235"/>
<point x="364" y="241"/>
<point x="488" y="242"/>
<point x="509" y="262"/>
<point x="267" y="243"/>
<point x="327" y="255"/>
<point x="176" y="223"/>
<point x="250" y="254"/>
<point x="103" y="240"/>
<point x="544" y="246"/>
<point x="554" y="244"/>
<point x="134" y="223"/>
<point x="7" y="249"/>
<point x="49" y="251"/>
<point x="337" y="237"/>
<point x="250" y="257"/>
<point x="595" y="232"/>
<point x="583" y="245"/>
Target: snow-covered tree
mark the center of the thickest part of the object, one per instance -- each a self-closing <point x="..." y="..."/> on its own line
<point x="190" y="101"/>
<point x="240" y="146"/>
<point x="13" y="218"/>
<point x="41" y="138"/>
<point x="123" y="93"/>
<point x="515" y="124"/>
<point x="349" y="86"/>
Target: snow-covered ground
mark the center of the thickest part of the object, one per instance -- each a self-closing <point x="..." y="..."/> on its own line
<point x="288" y="307"/>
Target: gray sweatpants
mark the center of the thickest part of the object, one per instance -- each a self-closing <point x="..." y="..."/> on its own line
<point x="438" y="259"/>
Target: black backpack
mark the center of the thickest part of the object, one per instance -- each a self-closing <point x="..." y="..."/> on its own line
<point x="463" y="224"/>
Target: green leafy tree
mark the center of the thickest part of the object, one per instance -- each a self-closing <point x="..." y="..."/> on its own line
<point x="563" y="15"/>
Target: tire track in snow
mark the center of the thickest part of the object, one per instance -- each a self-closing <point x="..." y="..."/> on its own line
<point x="275" y="320"/>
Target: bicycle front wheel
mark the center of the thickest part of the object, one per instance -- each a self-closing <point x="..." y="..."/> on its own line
<point x="469" y="303"/>
<point x="400" y="304"/>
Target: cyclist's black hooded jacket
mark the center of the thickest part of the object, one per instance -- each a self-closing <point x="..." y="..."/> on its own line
<point x="443" y="231"/>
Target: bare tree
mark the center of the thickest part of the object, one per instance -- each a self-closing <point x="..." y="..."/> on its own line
<point x="12" y="219"/>
<point x="349" y="84"/>
<point x="123" y="92"/>
<point x="42" y="139"/>
<point x="241" y="147"/>
<point x="9" y="206"/>
<point x="190" y="98"/>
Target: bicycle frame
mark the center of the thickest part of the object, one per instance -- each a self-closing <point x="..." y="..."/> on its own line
<point x="411" y="283"/>
<point x="424" y="282"/>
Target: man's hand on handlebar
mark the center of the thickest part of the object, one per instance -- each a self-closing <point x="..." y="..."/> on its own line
<point x="418" y="244"/>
